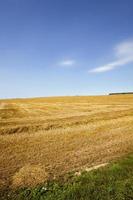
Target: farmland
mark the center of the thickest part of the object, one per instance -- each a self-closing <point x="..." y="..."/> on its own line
<point x="44" y="139"/>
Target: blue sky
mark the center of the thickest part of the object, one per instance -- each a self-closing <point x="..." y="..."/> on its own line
<point x="65" y="47"/>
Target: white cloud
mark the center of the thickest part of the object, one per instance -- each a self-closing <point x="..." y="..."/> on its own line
<point x="67" y="63"/>
<point x="124" y="55"/>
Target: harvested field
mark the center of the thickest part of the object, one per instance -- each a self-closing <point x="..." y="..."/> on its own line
<point x="44" y="138"/>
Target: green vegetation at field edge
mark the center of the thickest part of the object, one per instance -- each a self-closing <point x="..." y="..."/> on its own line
<point x="114" y="182"/>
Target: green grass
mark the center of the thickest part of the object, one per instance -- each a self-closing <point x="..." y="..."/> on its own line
<point x="114" y="182"/>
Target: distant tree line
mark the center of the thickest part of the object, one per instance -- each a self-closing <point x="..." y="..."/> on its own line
<point x="118" y="93"/>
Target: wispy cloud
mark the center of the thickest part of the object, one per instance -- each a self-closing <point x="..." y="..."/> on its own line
<point x="67" y="63"/>
<point x="123" y="55"/>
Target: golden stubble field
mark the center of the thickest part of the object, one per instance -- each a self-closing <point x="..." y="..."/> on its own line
<point x="44" y="138"/>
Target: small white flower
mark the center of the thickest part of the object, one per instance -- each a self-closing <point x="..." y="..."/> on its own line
<point x="44" y="188"/>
